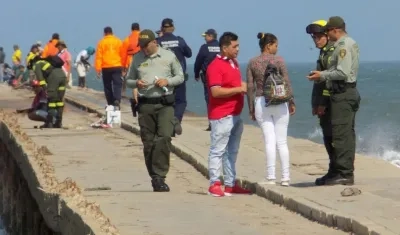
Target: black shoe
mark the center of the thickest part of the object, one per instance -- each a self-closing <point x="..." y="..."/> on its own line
<point x="47" y="125"/>
<point x="208" y="128"/>
<point x="177" y="128"/>
<point x="339" y="179"/>
<point x="321" y="180"/>
<point x="159" y="185"/>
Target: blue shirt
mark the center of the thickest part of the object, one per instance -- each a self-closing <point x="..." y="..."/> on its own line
<point x="206" y="54"/>
<point x="177" y="45"/>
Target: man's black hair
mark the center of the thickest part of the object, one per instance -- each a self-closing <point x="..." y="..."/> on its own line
<point x="227" y="38"/>
<point x="55" y="36"/>
<point x="135" y="26"/>
<point x="108" y="30"/>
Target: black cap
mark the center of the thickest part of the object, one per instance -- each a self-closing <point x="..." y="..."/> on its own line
<point x="135" y="26"/>
<point x="167" y="22"/>
<point x="212" y="32"/>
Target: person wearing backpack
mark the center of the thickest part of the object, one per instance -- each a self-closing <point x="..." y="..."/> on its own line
<point x="271" y="102"/>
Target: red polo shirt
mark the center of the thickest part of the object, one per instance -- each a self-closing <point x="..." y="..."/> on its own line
<point x="225" y="73"/>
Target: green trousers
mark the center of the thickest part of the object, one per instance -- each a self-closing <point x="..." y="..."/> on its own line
<point x="343" y="112"/>
<point x="55" y="94"/>
<point x="156" y="123"/>
<point x="326" y="126"/>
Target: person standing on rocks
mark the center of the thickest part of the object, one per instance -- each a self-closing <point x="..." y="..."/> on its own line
<point x="226" y="102"/>
<point x="155" y="72"/>
<point x="341" y="80"/>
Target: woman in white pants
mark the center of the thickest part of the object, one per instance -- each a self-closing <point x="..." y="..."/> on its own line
<point x="273" y="118"/>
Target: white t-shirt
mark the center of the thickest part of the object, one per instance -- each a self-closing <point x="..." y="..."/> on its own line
<point x="83" y="54"/>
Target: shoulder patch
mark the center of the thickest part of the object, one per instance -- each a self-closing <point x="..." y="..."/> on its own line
<point x="342" y="53"/>
<point x="341" y="43"/>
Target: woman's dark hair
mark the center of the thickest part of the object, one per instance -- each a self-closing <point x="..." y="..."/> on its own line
<point x="265" y="39"/>
<point x="34" y="47"/>
<point x="227" y="38"/>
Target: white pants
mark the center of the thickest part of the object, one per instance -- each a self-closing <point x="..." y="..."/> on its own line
<point x="81" y="70"/>
<point x="274" y="121"/>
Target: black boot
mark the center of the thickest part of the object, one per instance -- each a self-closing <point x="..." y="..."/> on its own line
<point x="58" y="122"/>
<point x="177" y="127"/>
<point x="159" y="185"/>
<point x="209" y="127"/>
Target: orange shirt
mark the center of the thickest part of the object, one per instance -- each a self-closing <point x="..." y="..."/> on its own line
<point x="50" y="49"/>
<point x="129" y="48"/>
<point x="108" y="53"/>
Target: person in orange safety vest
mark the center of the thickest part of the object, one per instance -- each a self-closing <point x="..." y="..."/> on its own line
<point x="50" y="49"/>
<point x="129" y="48"/>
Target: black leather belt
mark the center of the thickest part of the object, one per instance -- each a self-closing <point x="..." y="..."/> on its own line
<point x="351" y="85"/>
<point x="154" y="100"/>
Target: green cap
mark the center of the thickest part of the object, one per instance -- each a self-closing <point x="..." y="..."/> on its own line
<point x="145" y="37"/>
<point x="335" y="22"/>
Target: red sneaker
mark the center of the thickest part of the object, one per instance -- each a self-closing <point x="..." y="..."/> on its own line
<point x="216" y="190"/>
<point x="236" y="190"/>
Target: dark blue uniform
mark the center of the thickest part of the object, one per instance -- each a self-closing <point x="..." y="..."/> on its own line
<point x="206" y="54"/>
<point x="181" y="50"/>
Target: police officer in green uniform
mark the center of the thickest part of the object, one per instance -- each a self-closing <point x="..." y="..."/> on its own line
<point x="320" y="100"/>
<point x="155" y="72"/>
<point x="53" y="79"/>
<point x="341" y="80"/>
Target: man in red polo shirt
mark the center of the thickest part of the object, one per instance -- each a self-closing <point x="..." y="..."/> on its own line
<point x="225" y="105"/>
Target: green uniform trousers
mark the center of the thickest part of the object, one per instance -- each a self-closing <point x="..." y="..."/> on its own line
<point x="326" y="126"/>
<point x="343" y="111"/>
<point x="156" y="123"/>
<point x="55" y="94"/>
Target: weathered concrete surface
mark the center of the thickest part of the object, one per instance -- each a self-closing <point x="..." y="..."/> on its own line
<point x="113" y="158"/>
<point x="375" y="211"/>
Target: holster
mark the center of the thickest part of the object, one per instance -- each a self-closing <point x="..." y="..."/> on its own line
<point x="134" y="107"/>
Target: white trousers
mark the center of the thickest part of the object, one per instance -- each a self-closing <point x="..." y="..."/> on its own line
<point x="274" y="121"/>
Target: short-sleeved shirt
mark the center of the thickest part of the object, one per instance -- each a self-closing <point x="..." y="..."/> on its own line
<point x="225" y="73"/>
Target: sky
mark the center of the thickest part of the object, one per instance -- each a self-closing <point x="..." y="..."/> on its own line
<point x="80" y="23"/>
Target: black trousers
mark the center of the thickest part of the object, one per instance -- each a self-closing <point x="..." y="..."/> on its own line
<point x="112" y="82"/>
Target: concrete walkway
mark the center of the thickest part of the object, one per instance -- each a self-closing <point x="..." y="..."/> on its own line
<point x="375" y="211"/>
<point x="99" y="159"/>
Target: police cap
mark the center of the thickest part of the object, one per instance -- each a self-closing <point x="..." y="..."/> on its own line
<point x="335" y="22"/>
<point x="211" y="32"/>
<point x="145" y="37"/>
<point x="167" y="22"/>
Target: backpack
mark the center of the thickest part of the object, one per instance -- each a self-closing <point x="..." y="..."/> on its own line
<point x="55" y="61"/>
<point x="275" y="87"/>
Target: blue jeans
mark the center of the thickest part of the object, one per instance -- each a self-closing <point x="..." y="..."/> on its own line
<point x="226" y="134"/>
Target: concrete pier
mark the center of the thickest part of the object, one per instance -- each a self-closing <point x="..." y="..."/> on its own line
<point x="94" y="181"/>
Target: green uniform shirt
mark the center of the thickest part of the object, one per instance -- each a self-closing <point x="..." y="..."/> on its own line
<point x="344" y="62"/>
<point x="162" y="64"/>
<point x="320" y="94"/>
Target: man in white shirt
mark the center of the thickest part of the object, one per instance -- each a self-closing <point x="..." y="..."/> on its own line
<point x="82" y="65"/>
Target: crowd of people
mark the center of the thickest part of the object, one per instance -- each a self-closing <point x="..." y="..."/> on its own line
<point x="153" y="65"/>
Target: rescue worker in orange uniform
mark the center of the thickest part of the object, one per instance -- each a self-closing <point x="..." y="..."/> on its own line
<point x="129" y="48"/>
<point x="108" y="65"/>
<point x="50" y="49"/>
